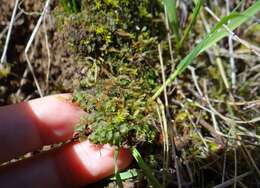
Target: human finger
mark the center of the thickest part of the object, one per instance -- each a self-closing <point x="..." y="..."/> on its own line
<point x="29" y="125"/>
<point x="74" y="165"/>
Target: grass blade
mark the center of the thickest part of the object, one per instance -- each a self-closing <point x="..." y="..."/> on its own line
<point x="131" y="173"/>
<point x="75" y="7"/>
<point x="117" y="174"/>
<point x="236" y="20"/>
<point x="171" y="11"/>
<point x="148" y="172"/>
<point x="193" y="21"/>
<point x="216" y="34"/>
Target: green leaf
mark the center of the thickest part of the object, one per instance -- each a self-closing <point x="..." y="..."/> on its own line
<point x="171" y="11"/>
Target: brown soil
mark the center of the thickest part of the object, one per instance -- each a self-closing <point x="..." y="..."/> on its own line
<point x="19" y="84"/>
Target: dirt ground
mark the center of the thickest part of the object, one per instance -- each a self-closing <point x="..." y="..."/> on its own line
<point x="47" y="55"/>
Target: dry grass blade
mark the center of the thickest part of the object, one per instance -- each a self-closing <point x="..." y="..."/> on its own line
<point x="233" y="180"/>
<point x="164" y="121"/>
<point x="9" y="32"/>
<point x="30" y="43"/>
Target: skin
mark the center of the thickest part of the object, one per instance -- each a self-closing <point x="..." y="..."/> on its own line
<point x="29" y="126"/>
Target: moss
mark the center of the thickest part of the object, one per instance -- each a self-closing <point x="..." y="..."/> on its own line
<point x="5" y="70"/>
<point x="117" y="52"/>
<point x="118" y="111"/>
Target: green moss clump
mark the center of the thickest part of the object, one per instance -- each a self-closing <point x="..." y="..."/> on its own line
<point x="115" y="46"/>
<point x="119" y="112"/>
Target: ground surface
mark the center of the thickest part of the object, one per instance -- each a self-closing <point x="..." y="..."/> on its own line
<point x="17" y="86"/>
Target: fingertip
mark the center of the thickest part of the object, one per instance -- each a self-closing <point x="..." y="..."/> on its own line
<point x="85" y="163"/>
<point x="56" y="117"/>
<point x="125" y="158"/>
<point x="30" y="125"/>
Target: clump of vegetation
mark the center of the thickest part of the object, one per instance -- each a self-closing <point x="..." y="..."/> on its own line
<point x="119" y="77"/>
<point x="116" y="50"/>
<point x="117" y="114"/>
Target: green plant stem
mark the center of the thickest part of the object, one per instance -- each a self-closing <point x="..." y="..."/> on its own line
<point x="117" y="174"/>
